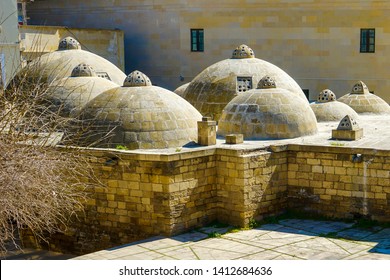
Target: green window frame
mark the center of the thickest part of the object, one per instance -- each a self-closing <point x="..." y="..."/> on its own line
<point x="197" y="40"/>
<point x="367" y="40"/>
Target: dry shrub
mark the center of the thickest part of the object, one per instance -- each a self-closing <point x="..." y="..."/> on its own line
<point x="42" y="186"/>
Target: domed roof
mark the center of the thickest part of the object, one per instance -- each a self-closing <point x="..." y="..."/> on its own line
<point x="69" y="43"/>
<point x="328" y="109"/>
<point x="83" y="70"/>
<point x="180" y="90"/>
<point x="140" y="117"/>
<point x="212" y="89"/>
<point x="364" y="102"/>
<point x="326" y="96"/>
<point x="137" y="79"/>
<point x="243" y="51"/>
<point x="59" y="64"/>
<point x="69" y="95"/>
<point x="267" y="112"/>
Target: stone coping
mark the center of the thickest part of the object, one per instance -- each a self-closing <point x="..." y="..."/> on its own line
<point x="376" y="141"/>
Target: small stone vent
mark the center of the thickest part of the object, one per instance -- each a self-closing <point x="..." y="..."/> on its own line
<point x="243" y="51"/>
<point x="348" y="123"/>
<point x="244" y="84"/>
<point x="69" y="43"/>
<point x="137" y="79"/>
<point x="83" y="70"/>
<point x="266" y="82"/>
<point x="360" y="88"/>
<point x="326" y="96"/>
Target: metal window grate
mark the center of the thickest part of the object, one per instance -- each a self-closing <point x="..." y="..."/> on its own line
<point x="197" y="40"/>
<point x="367" y="40"/>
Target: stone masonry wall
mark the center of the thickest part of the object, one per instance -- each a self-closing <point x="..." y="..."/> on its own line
<point x="339" y="182"/>
<point x="251" y="185"/>
<point x="145" y="194"/>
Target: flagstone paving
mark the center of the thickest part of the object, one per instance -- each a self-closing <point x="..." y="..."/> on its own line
<point x="290" y="239"/>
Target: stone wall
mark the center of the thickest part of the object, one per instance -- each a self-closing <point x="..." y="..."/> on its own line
<point x="339" y="182"/>
<point x="145" y="194"/>
<point x="251" y="185"/>
<point x="38" y="40"/>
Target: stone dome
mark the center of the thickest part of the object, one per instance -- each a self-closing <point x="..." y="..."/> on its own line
<point x="243" y="51"/>
<point x="328" y="109"/>
<point x="212" y="89"/>
<point x="69" y="95"/>
<point x="364" y="102"/>
<point x="69" y="43"/>
<point x="83" y="70"/>
<point x="180" y="90"/>
<point x="139" y="117"/>
<point x="268" y="112"/>
<point x="60" y="64"/>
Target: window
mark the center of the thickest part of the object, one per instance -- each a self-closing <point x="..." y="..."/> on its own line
<point x="197" y="40"/>
<point x="103" y="75"/>
<point x="367" y="40"/>
<point x="244" y="84"/>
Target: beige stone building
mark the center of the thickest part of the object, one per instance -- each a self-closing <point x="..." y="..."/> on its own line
<point x="321" y="44"/>
<point x="9" y="41"/>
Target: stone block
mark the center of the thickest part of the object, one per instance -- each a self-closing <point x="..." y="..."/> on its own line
<point x="234" y="139"/>
<point x="350" y="135"/>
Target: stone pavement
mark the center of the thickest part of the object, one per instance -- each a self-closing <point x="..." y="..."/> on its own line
<point x="290" y="239"/>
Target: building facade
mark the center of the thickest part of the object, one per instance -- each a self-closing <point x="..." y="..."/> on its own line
<point x="9" y="41"/>
<point x="38" y="40"/>
<point x="321" y="44"/>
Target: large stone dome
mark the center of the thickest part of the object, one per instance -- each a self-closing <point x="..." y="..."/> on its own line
<point x="212" y="89"/>
<point x="328" y="109"/>
<point x="364" y="102"/>
<point x="268" y="112"/>
<point x="180" y="90"/>
<point x="140" y="116"/>
<point x="59" y="64"/>
<point x="69" y="95"/>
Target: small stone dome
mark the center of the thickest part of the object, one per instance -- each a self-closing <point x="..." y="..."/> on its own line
<point x="266" y="82"/>
<point x="137" y="79"/>
<point x="243" y="51"/>
<point x="267" y="113"/>
<point x="364" y="102"/>
<point x="328" y="109"/>
<point x="326" y="96"/>
<point x="139" y="117"/>
<point x="60" y="64"/>
<point x="69" y="95"/>
<point x="69" y="43"/>
<point x="212" y="89"/>
<point x="83" y="70"/>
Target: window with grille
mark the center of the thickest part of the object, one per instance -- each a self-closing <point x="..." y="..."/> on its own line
<point x="367" y="40"/>
<point x="197" y="40"/>
<point x="244" y="84"/>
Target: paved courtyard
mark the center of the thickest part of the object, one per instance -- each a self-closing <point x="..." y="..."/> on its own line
<point x="290" y="239"/>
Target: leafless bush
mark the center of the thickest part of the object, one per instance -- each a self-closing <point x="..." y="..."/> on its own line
<point x="41" y="185"/>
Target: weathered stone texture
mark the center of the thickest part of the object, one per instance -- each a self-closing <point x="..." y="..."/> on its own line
<point x="327" y="181"/>
<point x="166" y="194"/>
